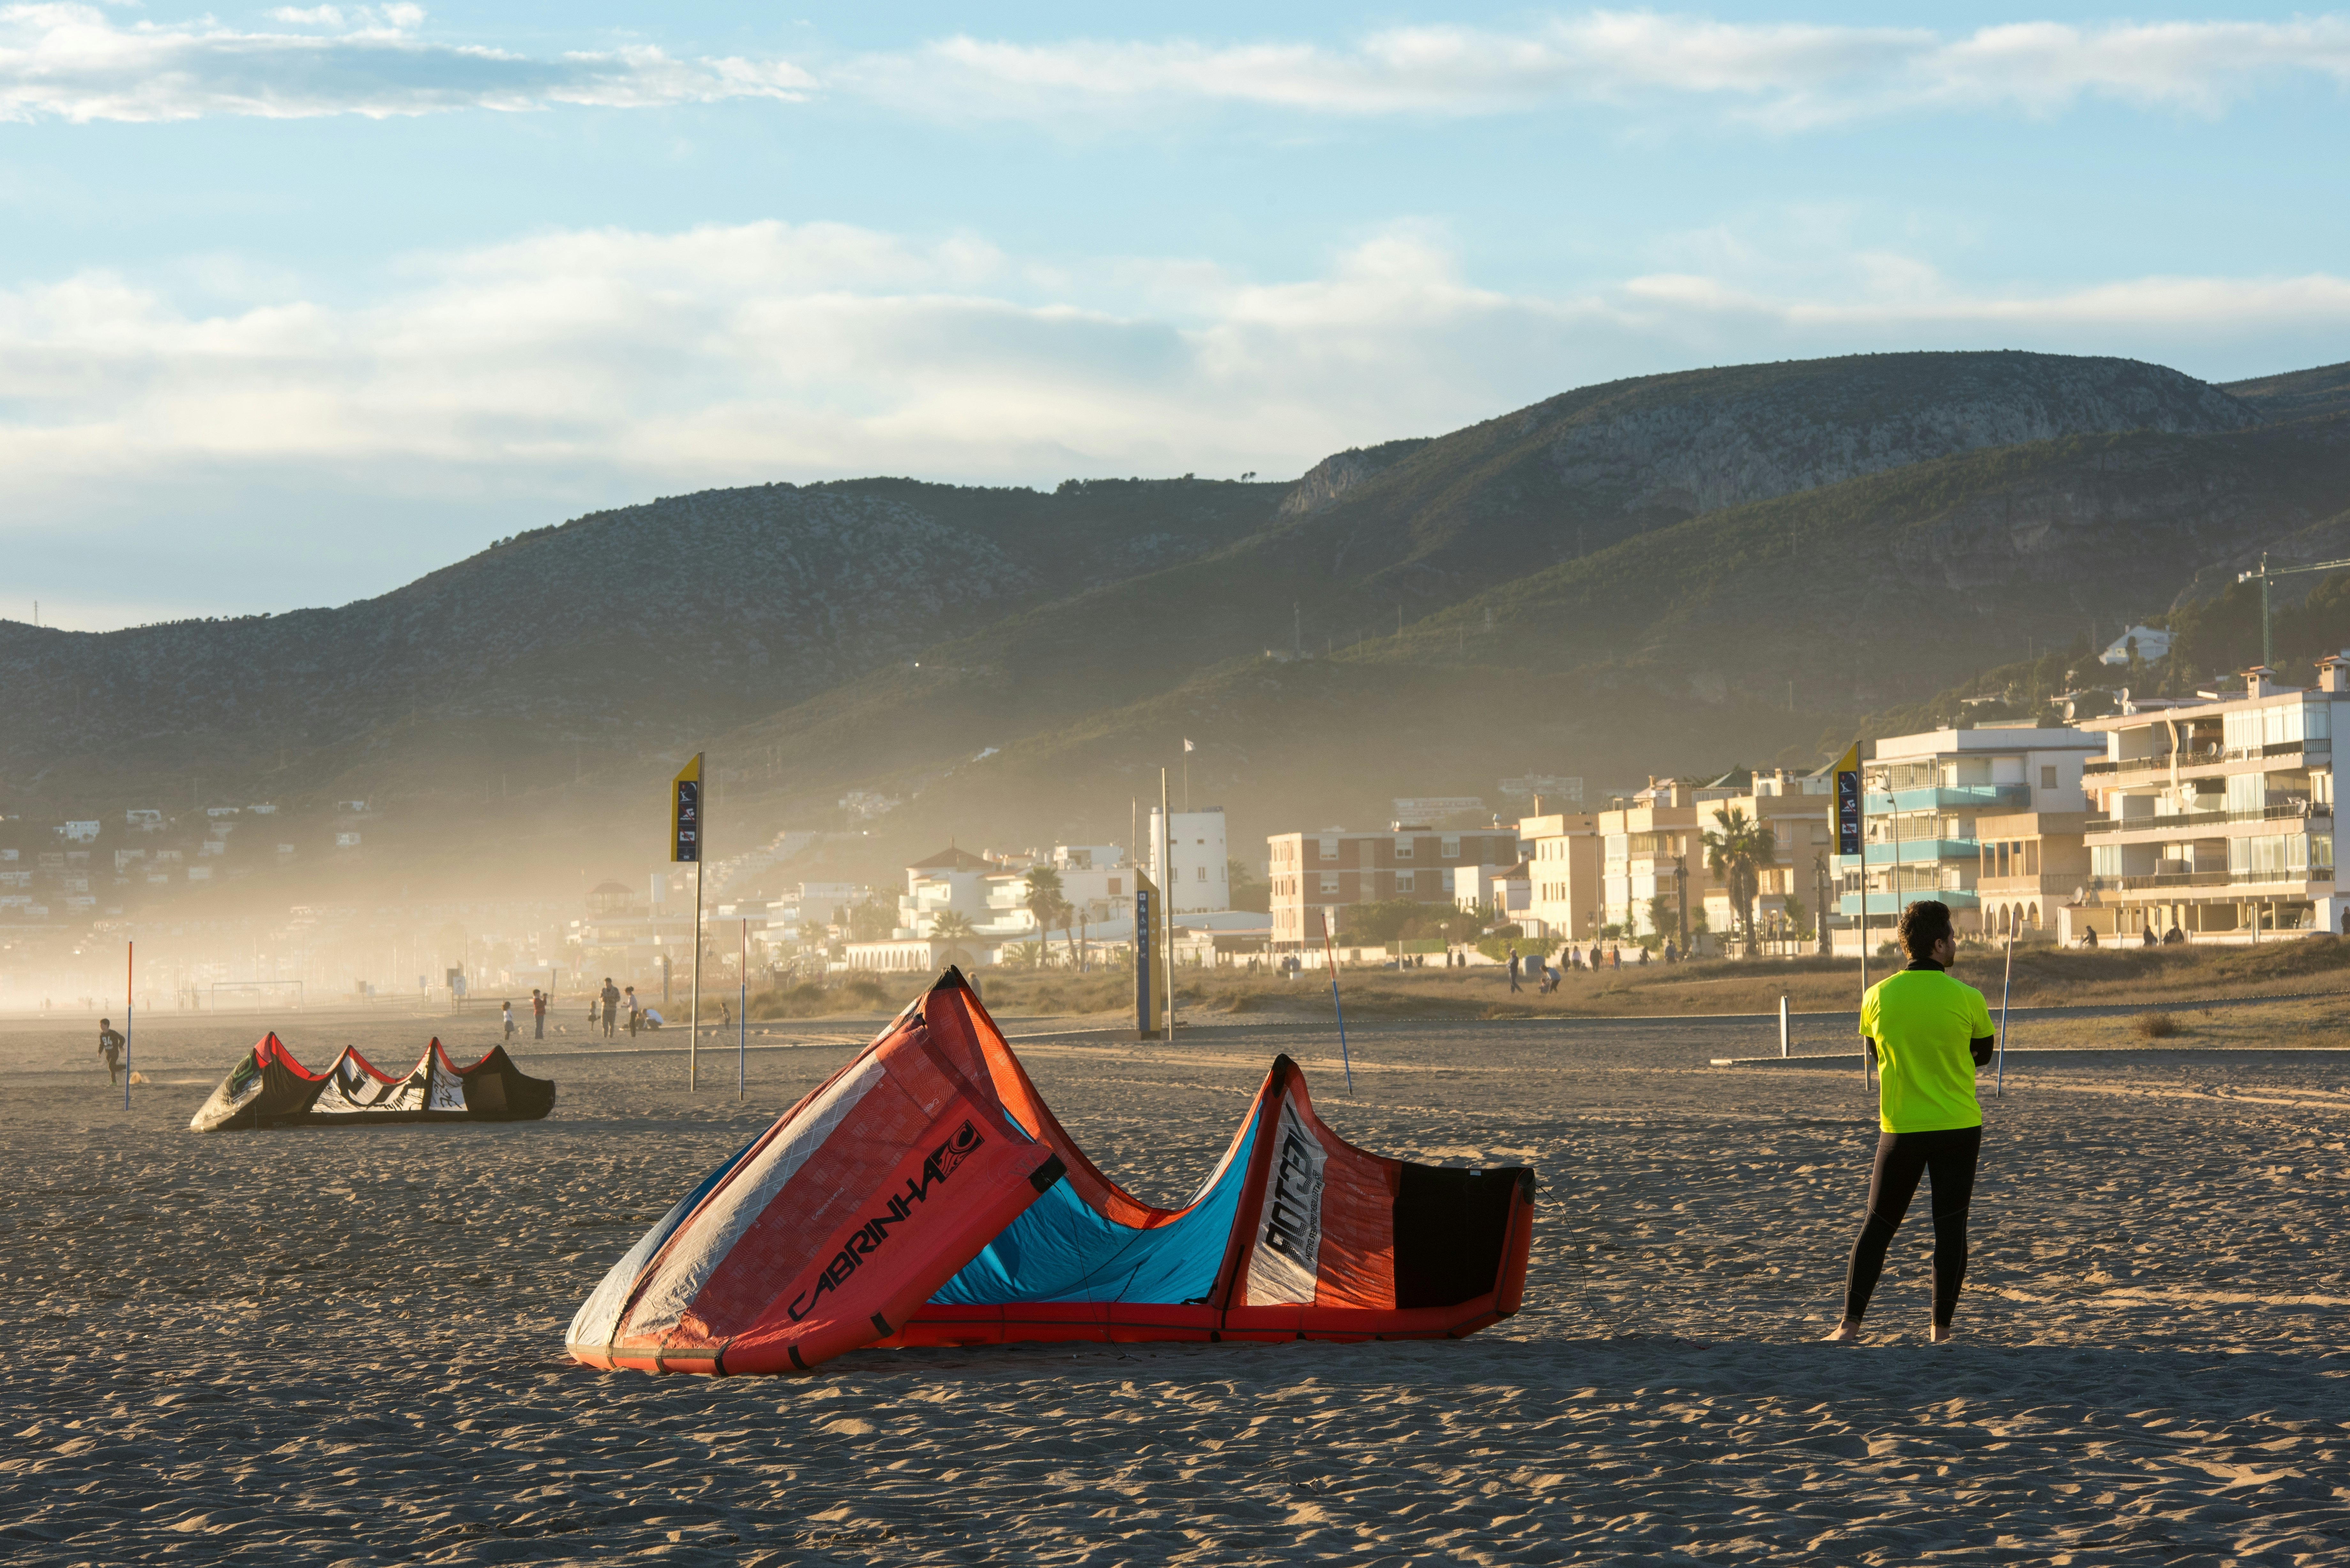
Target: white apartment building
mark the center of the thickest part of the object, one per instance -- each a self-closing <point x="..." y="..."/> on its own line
<point x="2218" y="818"/>
<point x="1924" y="795"/>
<point x="1197" y="880"/>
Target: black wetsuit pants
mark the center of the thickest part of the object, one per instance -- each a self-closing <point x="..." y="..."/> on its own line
<point x="1901" y="1159"/>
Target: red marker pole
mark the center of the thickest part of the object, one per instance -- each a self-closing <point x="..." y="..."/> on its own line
<point x="129" y="976"/>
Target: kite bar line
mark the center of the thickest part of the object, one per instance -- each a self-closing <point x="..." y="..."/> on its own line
<point x="129" y="978"/>
<point x="1999" y="1082"/>
<point x="1331" y="952"/>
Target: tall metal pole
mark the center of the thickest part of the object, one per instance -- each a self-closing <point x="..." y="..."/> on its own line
<point x="742" y="1010"/>
<point x="1167" y="899"/>
<point x="693" y="1038"/>
<point x="129" y="1013"/>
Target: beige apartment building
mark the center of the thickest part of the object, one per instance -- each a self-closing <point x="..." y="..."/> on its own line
<point x="2028" y="864"/>
<point x="1563" y="860"/>
<point x="1653" y="842"/>
<point x="2217" y="817"/>
<point x="1316" y="876"/>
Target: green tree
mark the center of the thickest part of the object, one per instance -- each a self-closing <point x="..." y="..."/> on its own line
<point x="872" y="921"/>
<point x="1736" y="855"/>
<point x="1248" y="890"/>
<point x="954" y="929"/>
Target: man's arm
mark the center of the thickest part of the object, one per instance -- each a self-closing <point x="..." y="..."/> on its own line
<point x="1981" y="1048"/>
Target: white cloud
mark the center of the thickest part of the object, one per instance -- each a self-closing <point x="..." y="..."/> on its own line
<point x="1787" y="73"/>
<point x="70" y="61"/>
<point x="732" y="354"/>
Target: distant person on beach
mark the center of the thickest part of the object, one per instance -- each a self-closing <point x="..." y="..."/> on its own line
<point x="2173" y="936"/>
<point x="611" y="999"/>
<point x="635" y="1011"/>
<point x="1928" y="1034"/>
<point x="2145" y="939"/>
<point x="537" y="1013"/>
<point x="1513" y="972"/>
<point x="506" y="1017"/>
<point x="2089" y="937"/>
<point x="109" y="1045"/>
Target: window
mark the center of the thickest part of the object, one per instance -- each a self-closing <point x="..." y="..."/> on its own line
<point x="1330" y="881"/>
<point x="2048" y="775"/>
<point x="1203" y="872"/>
<point x="1116" y="884"/>
<point x="1450" y="848"/>
<point x="2105" y="861"/>
<point x="1404" y="882"/>
<point x="1329" y="849"/>
<point x="1403" y="848"/>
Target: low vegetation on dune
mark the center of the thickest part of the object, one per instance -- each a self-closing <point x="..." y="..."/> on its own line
<point x="2045" y="977"/>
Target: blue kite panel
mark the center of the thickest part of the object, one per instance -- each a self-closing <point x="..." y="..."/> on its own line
<point x="1061" y="1250"/>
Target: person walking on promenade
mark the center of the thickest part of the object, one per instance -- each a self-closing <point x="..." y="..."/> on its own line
<point x="1928" y="1034"/>
<point x="539" y="1000"/>
<point x="109" y="1045"/>
<point x="611" y="998"/>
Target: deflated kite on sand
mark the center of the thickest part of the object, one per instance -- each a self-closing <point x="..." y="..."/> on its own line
<point x="269" y="1089"/>
<point x="924" y="1195"/>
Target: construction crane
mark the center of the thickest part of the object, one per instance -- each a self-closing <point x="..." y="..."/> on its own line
<point x="2262" y="577"/>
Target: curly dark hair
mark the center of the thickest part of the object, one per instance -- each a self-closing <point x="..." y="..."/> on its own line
<point x="1923" y="924"/>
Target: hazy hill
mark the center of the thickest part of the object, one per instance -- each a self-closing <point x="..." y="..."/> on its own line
<point x="616" y="633"/>
<point x="1728" y="637"/>
<point x="1619" y="578"/>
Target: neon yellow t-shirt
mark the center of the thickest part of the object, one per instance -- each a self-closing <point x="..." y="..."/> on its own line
<point x="1922" y="1021"/>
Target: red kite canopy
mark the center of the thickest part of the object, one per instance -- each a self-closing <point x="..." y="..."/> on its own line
<point x="925" y="1195"/>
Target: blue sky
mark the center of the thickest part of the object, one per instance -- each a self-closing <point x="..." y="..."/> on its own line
<point x="299" y="302"/>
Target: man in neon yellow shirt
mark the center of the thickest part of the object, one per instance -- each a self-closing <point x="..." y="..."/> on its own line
<point x="1928" y="1034"/>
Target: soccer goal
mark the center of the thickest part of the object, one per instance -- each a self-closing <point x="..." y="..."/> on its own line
<point x="258" y="994"/>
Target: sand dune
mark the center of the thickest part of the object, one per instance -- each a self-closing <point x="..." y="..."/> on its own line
<point x="345" y="1346"/>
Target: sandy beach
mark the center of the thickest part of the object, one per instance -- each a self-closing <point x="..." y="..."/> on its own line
<point x="345" y="1346"/>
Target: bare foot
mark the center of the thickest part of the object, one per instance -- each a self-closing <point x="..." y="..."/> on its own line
<point x="1846" y="1333"/>
<point x="1941" y="1334"/>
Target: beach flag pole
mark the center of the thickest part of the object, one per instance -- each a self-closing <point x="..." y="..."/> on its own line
<point x="742" y="1010"/>
<point x="1999" y="1080"/>
<point x="1330" y="951"/>
<point x="129" y="1014"/>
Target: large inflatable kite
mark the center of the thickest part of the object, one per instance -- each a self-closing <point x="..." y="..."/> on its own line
<point x="269" y="1089"/>
<point x="925" y="1196"/>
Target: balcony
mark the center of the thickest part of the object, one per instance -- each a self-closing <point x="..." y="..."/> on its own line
<point x="1962" y="797"/>
<point x="1883" y="903"/>
<point x="2165" y="879"/>
<point x="2294" y="812"/>
<point x="2207" y="757"/>
<point x="1916" y="852"/>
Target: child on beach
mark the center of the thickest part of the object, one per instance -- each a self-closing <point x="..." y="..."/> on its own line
<point x="1928" y="1034"/>
<point x="505" y="1011"/>
<point x="109" y="1045"/>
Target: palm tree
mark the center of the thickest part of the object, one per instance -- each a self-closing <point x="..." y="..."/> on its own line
<point x="1047" y="904"/>
<point x="1025" y="955"/>
<point x="953" y="928"/>
<point x="1736" y="855"/>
